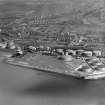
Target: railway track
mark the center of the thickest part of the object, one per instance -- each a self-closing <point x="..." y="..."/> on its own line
<point x="95" y="63"/>
<point x="91" y="64"/>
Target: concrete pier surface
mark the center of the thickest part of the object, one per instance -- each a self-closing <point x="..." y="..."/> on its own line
<point x="21" y="86"/>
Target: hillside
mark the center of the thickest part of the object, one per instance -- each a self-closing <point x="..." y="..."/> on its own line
<point x="39" y="21"/>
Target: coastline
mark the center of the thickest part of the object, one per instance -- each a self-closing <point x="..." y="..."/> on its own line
<point x="45" y="64"/>
<point x="66" y="72"/>
<point x="42" y="69"/>
<point x="49" y="69"/>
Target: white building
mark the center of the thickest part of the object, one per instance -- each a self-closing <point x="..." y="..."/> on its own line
<point x="3" y="45"/>
<point x="97" y="53"/>
<point x="88" y="53"/>
<point x="19" y="50"/>
<point x="12" y="45"/>
<point x="32" y="47"/>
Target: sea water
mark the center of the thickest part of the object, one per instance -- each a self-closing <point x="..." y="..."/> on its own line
<point x="21" y="86"/>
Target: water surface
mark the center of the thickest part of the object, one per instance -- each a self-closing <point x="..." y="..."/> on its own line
<point x="21" y="86"/>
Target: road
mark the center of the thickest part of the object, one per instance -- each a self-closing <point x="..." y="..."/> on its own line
<point x="19" y="86"/>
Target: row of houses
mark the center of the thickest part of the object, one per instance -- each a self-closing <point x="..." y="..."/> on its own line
<point x="79" y="53"/>
<point x="68" y="51"/>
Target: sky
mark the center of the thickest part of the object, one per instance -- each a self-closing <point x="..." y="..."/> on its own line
<point x="51" y="1"/>
<point x="67" y="4"/>
<point x="37" y="1"/>
<point x="59" y="1"/>
<point x="32" y="2"/>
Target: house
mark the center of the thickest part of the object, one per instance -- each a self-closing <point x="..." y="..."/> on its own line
<point x="97" y="53"/>
<point x="3" y="45"/>
<point x="71" y="52"/>
<point x="11" y="44"/>
<point x="19" y="50"/>
<point x="87" y="53"/>
<point x="60" y="51"/>
<point x="32" y="48"/>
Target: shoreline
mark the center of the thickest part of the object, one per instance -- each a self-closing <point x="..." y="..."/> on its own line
<point x="71" y="73"/>
<point x="23" y="64"/>
<point x="67" y="71"/>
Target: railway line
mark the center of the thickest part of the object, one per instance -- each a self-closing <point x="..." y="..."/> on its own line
<point x="92" y="68"/>
<point x="95" y="63"/>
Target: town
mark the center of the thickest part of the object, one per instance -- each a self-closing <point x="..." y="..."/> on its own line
<point x="87" y="49"/>
<point x="75" y="39"/>
<point x="78" y="49"/>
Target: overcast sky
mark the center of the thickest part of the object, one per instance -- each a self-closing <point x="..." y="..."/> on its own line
<point x="62" y="1"/>
<point x="45" y="1"/>
<point x="67" y="3"/>
<point x="38" y="1"/>
<point x="53" y="1"/>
